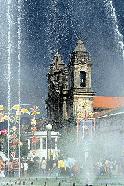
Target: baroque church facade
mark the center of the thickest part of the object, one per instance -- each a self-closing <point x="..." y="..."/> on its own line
<point x="70" y="93"/>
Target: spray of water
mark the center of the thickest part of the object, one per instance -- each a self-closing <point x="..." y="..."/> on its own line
<point x="19" y="67"/>
<point x="9" y="65"/>
<point x="53" y="28"/>
<point x="9" y="62"/>
<point x="57" y="29"/>
<point x="50" y="30"/>
<point x="105" y="144"/>
<point x="111" y="13"/>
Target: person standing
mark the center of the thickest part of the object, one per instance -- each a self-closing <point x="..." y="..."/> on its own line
<point x="43" y="166"/>
<point x="10" y="168"/>
<point x="107" y="167"/>
<point x="2" y="166"/>
<point x="16" y="167"/>
<point x="25" y="166"/>
<point x="61" y="166"/>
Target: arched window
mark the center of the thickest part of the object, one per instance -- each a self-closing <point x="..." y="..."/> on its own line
<point x="82" y="78"/>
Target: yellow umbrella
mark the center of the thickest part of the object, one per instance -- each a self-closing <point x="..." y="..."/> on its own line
<point x="16" y="107"/>
<point x="1" y="117"/>
<point x="35" y="113"/>
<point x="25" y="111"/>
<point x="1" y="107"/>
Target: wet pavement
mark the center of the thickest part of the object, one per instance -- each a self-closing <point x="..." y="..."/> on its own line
<point x="59" y="181"/>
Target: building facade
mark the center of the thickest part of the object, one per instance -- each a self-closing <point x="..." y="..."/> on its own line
<point x="70" y="93"/>
<point x="110" y="134"/>
<point x="38" y="145"/>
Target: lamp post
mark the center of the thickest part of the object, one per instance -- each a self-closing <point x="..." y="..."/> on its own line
<point x="48" y="128"/>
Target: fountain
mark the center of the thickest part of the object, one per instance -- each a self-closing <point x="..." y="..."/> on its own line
<point x="11" y="44"/>
<point x="19" y="74"/>
<point x="111" y="14"/>
<point x="55" y="33"/>
<point x="9" y="65"/>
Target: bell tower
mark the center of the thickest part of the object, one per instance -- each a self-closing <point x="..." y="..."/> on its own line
<point x="80" y="88"/>
<point x="57" y="90"/>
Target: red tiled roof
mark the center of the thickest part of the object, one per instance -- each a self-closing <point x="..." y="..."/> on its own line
<point x="108" y="102"/>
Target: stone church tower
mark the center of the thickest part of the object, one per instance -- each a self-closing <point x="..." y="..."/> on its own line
<point x="69" y="87"/>
<point x="57" y="90"/>
<point x="80" y="88"/>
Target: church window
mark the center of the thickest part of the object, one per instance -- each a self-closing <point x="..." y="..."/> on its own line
<point x="82" y="78"/>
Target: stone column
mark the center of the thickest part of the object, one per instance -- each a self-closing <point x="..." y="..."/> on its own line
<point x="75" y="105"/>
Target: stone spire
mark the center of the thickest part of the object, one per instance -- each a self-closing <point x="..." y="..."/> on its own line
<point x="58" y="58"/>
<point x="58" y="62"/>
<point x="80" y="46"/>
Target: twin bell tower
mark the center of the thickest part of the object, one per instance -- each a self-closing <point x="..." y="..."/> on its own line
<point x="70" y="93"/>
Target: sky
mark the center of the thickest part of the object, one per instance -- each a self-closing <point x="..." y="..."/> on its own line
<point x="48" y="25"/>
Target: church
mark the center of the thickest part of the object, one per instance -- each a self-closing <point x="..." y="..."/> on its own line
<point x="70" y="94"/>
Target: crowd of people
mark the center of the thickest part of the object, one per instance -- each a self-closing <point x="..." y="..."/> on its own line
<point x="35" y="166"/>
<point x="109" y="167"/>
<point x="56" y="167"/>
